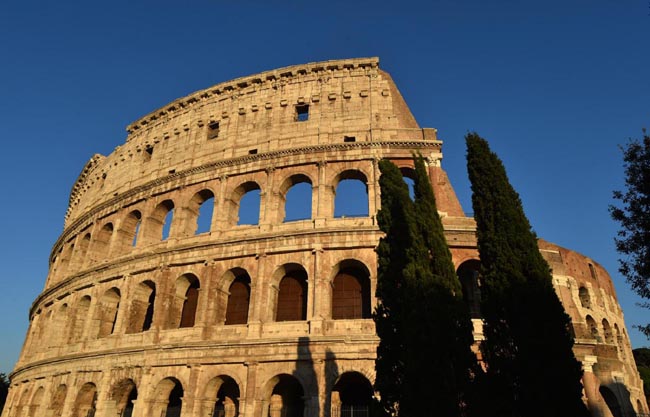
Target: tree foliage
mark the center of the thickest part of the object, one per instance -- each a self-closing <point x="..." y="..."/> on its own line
<point x="634" y="217"/>
<point x="642" y="359"/>
<point x="4" y="390"/>
<point x="531" y="368"/>
<point x="424" y="358"/>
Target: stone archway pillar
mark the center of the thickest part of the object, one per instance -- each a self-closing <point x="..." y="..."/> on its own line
<point x="275" y="408"/>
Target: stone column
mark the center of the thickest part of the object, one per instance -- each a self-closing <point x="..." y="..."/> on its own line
<point x="591" y="385"/>
<point x="247" y="405"/>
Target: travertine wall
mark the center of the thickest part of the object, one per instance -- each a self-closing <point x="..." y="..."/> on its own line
<point x="137" y="305"/>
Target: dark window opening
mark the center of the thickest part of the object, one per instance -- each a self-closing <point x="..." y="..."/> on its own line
<point x="148" y="315"/>
<point x="349" y="139"/>
<point x="238" y="300"/>
<point x="292" y="297"/>
<point x="148" y="152"/>
<point x="252" y="152"/>
<point x="213" y="130"/>
<point x="302" y="112"/>
<point x="189" y="305"/>
<point x="350" y="295"/>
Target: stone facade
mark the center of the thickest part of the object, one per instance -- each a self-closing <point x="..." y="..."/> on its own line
<point x="145" y="314"/>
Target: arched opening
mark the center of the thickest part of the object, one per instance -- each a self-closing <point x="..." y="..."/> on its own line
<point x="227" y="397"/>
<point x="468" y="274"/>
<point x="607" y="332"/>
<point x="408" y="175"/>
<point x="160" y="222"/>
<point x="59" y="326"/>
<point x="142" y="307"/>
<point x="585" y="299"/>
<point x="239" y="295"/>
<point x="109" y="305"/>
<point x="246" y="201"/>
<point x="35" y="404"/>
<point x="286" y="398"/>
<point x="168" y="398"/>
<point x="123" y="395"/>
<point x="351" y="396"/>
<point x="101" y="246"/>
<point x="351" y="197"/>
<point x="80" y="317"/>
<point x="292" y="295"/>
<point x="611" y="401"/>
<point x="296" y="192"/>
<point x="58" y="399"/>
<point x="84" y="405"/>
<point x="82" y="251"/>
<point x="592" y="327"/>
<point x="64" y="261"/>
<point x="128" y="233"/>
<point x="187" y="288"/>
<point x="201" y="210"/>
<point x="351" y="292"/>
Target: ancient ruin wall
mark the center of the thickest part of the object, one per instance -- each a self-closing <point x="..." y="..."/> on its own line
<point x="138" y="300"/>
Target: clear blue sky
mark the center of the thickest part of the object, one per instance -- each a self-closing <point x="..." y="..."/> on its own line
<point x="554" y="86"/>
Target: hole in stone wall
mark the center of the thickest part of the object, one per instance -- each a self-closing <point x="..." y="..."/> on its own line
<point x="252" y="152"/>
<point x="302" y="112"/>
<point x="213" y="130"/>
<point x="349" y="139"/>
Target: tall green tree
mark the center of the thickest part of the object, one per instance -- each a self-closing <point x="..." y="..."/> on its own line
<point x="4" y="390"/>
<point x="634" y="237"/>
<point x="531" y="367"/>
<point x="432" y="354"/>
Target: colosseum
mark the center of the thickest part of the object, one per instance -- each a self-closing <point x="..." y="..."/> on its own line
<point x="163" y="299"/>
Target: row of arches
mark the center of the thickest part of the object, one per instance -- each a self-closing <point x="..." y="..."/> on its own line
<point x="201" y="213"/>
<point x="178" y="305"/>
<point x="284" y="395"/>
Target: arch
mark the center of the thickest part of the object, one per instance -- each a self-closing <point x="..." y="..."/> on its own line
<point x="611" y="401"/>
<point x="101" y="245"/>
<point x="109" y="306"/>
<point x="80" y="317"/>
<point x="351" y="395"/>
<point x="351" y="291"/>
<point x="142" y="307"/>
<point x="82" y="251"/>
<point x="607" y="332"/>
<point x="592" y="327"/>
<point x="408" y="175"/>
<point x="470" y="282"/>
<point x="296" y="198"/>
<point x="129" y="230"/>
<point x="246" y="203"/>
<point x="585" y="299"/>
<point x="239" y="294"/>
<point x="58" y="399"/>
<point x="187" y="299"/>
<point x="86" y="401"/>
<point x="168" y="398"/>
<point x="65" y="260"/>
<point x="351" y="195"/>
<point x="222" y="396"/>
<point x="36" y="402"/>
<point x="159" y="224"/>
<point x="59" y="326"/>
<point x="200" y="212"/>
<point x="292" y="294"/>
<point x="284" y="395"/>
<point x="122" y="396"/>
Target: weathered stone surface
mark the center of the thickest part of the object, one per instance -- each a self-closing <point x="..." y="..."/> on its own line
<point x="126" y="311"/>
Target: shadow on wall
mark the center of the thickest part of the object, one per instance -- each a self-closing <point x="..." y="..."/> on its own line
<point x="617" y="398"/>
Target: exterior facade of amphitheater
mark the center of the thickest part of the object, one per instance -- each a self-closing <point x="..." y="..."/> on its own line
<point x="146" y="313"/>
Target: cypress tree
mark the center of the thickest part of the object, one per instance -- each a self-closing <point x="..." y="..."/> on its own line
<point x="531" y="368"/>
<point x="424" y="361"/>
<point x="396" y="220"/>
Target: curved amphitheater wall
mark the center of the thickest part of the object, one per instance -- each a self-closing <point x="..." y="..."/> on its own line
<point x="149" y="308"/>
